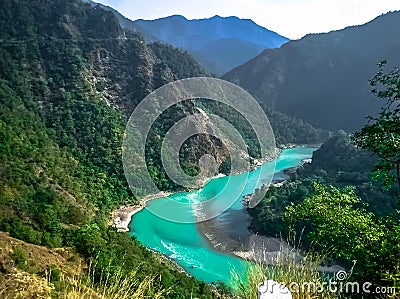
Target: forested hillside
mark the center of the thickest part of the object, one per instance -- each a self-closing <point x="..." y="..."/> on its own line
<point x="69" y="76"/>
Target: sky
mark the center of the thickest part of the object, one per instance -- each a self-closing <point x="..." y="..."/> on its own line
<point x="290" y="18"/>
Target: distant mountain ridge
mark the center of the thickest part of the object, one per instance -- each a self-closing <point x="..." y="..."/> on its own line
<point x="180" y="31"/>
<point x="323" y="78"/>
<point x="218" y="43"/>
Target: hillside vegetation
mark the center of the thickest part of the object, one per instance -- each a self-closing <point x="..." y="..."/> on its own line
<point x="69" y="77"/>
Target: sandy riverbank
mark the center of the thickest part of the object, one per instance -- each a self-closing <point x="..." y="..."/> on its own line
<point x="122" y="216"/>
<point x="256" y="248"/>
<point x="267" y="250"/>
<point x="233" y="237"/>
<point x="273" y="251"/>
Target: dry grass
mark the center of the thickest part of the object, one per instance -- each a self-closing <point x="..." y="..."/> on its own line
<point x="286" y="270"/>
<point x="31" y="271"/>
<point x="118" y="286"/>
<point x="22" y="285"/>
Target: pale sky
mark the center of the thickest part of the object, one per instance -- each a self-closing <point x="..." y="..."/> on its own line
<point x="290" y="18"/>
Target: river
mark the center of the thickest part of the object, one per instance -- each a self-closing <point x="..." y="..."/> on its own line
<point x="184" y="243"/>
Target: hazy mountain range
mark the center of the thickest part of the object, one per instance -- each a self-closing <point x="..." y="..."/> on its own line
<point x="323" y="78"/>
<point x="218" y="43"/>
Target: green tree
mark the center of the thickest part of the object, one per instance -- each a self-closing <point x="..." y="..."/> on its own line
<point x="333" y="222"/>
<point x="382" y="134"/>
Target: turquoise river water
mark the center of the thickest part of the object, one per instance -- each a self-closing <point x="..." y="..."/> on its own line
<point x="183" y="242"/>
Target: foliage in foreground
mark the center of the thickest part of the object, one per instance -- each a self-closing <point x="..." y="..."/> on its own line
<point x="382" y="134"/>
<point x="116" y="286"/>
<point x="330" y="219"/>
<point x="56" y="284"/>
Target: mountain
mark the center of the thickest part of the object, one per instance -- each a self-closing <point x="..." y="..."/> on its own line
<point x="323" y="78"/>
<point x="218" y="43"/>
<point x="70" y="77"/>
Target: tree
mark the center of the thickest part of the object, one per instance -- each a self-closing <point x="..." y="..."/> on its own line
<point x="334" y="220"/>
<point x="382" y="134"/>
